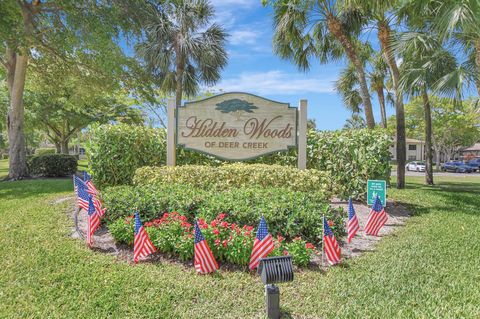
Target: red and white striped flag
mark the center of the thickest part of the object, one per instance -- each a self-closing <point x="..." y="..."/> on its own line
<point x="376" y="219"/>
<point x="262" y="246"/>
<point x="88" y="181"/>
<point x="93" y="221"/>
<point x="204" y="261"/>
<point x="142" y="245"/>
<point x="352" y="224"/>
<point x="330" y="244"/>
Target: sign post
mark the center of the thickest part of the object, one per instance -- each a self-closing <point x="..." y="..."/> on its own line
<point x="376" y="188"/>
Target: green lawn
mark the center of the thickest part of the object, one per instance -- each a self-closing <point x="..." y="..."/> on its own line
<point x="3" y="168"/>
<point x="429" y="268"/>
<point x="82" y="165"/>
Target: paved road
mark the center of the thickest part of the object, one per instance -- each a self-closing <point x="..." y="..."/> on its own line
<point x="407" y="173"/>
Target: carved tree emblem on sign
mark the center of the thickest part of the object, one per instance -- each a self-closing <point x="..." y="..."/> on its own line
<point x="236" y="106"/>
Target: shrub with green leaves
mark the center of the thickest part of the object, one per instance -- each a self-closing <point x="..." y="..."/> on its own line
<point x="289" y="213"/>
<point x="52" y="165"/>
<point x="351" y="157"/>
<point x="236" y="175"/>
<point x="115" y="151"/>
<point x="45" y="150"/>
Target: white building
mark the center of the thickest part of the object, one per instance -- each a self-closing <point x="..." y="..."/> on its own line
<point x="415" y="150"/>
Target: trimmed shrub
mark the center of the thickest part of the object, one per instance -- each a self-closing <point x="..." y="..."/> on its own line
<point x="230" y="176"/>
<point x="52" y="165"/>
<point x="45" y="150"/>
<point x="115" y="151"/>
<point x="288" y="213"/>
<point x="351" y="157"/>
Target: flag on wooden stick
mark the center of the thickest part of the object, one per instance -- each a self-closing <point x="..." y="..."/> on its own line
<point x="204" y="261"/>
<point x="93" y="221"/>
<point x="142" y="245"/>
<point x="352" y="224"/>
<point x="376" y="219"/>
<point x="330" y="244"/>
<point x="262" y="246"/>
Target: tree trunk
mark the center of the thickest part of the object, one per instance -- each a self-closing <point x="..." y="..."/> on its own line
<point x="179" y="80"/>
<point x="64" y="147"/>
<point x="384" y="37"/>
<point x="335" y="27"/>
<point x="381" y="101"/>
<point x="58" y="148"/>
<point x="437" y="158"/>
<point x="16" y="74"/>
<point x="16" y="137"/>
<point x="428" y="138"/>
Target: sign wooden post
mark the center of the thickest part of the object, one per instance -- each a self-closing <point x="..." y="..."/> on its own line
<point x="171" y="153"/>
<point x="302" y="135"/>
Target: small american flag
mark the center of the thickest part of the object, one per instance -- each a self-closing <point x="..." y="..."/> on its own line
<point x="93" y="221"/>
<point x="77" y="181"/>
<point x="376" y="219"/>
<point x="352" y="224"/>
<point x="204" y="261"/>
<point x="88" y="181"/>
<point x="262" y="246"/>
<point x="98" y="206"/>
<point x="83" y="196"/>
<point x="331" y="247"/>
<point x="142" y="246"/>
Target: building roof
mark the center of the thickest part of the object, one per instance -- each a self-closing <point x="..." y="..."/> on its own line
<point x="474" y="147"/>
<point x="412" y="140"/>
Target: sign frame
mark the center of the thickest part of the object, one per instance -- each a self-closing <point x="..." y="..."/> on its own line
<point x="297" y="125"/>
<point x="370" y="197"/>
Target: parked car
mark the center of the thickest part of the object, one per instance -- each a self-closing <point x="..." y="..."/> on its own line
<point x="415" y="166"/>
<point x="474" y="163"/>
<point x="457" y="167"/>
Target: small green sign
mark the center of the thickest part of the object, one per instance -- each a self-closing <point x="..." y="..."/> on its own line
<point x="376" y="188"/>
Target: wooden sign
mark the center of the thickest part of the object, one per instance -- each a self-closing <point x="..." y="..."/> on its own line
<point x="236" y="126"/>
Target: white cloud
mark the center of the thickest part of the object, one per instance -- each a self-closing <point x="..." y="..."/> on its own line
<point x="275" y="82"/>
<point x="242" y="3"/>
<point x="243" y="37"/>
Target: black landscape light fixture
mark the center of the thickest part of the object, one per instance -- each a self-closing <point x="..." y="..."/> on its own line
<point x="274" y="270"/>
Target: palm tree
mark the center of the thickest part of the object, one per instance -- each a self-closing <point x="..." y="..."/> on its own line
<point x="347" y="86"/>
<point x="355" y="122"/>
<point x="459" y="20"/>
<point x="427" y="67"/>
<point x="181" y="48"/>
<point x="308" y="29"/>
<point x="383" y="15"/>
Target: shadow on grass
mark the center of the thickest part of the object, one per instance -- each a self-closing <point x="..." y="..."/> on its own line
<point x="445" y="197"/>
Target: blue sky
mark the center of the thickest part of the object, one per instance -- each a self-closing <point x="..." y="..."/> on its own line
<point x="254" y="68"/>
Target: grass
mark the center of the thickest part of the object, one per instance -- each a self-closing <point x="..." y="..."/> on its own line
<point x="3" y="168"/>
<point x="429" y="268"/>
<point x="82" y="165"/>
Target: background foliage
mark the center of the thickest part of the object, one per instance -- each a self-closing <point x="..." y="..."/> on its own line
<point x="52" y="165"/>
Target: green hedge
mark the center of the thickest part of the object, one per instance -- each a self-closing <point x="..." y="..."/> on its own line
<point x="114" y="152"/>
<point x="236" y="175"/>
<point x="350" y="156"/>
<point x="289" y="213"/>
<point x="52" y="165"/>
<point x="45" y="150"/>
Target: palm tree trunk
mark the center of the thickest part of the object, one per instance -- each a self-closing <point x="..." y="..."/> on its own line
<point x="381" y="101"/>
<point x="335" y="27"/>
<point x="384" y="37"/>
<point x="428" y="138"/>
<point x="179" y="80"/>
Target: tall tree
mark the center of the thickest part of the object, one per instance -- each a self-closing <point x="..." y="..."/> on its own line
<point x="383" y="15"/>
<point x="81" y="31"/>
<point x="424" y="68"/>
<point x="182" y="48"/>
<point x="320" y="29"/>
